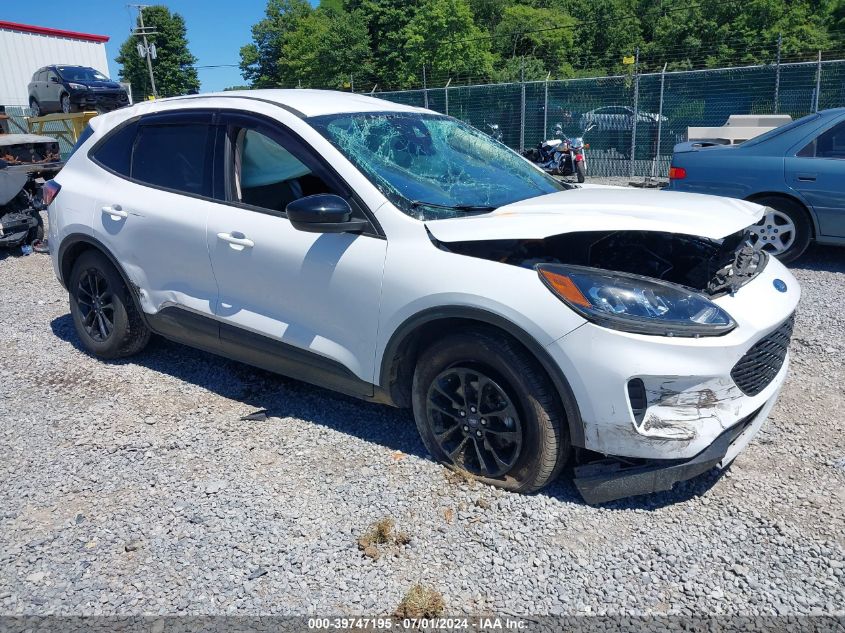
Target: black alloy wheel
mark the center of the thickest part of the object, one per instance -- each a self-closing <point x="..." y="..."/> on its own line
<point x="95" y="302"/>
<point x="475" y="422"/>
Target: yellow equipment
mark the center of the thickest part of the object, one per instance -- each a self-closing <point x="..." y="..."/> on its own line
<point x="71" y="125"/>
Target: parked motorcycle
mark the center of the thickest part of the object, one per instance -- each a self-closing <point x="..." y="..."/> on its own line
<point x="20" y="204"/>
<point x="561" y="156"/>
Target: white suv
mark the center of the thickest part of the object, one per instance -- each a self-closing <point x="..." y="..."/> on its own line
<point x="401" y="256"/>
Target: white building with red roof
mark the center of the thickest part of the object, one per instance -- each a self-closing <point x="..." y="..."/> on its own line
<point x="25" y="48"/>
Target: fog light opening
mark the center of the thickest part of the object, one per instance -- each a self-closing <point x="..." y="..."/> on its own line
<point x="637" y="399"/>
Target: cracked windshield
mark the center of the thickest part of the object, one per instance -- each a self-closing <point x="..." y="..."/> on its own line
<point x="434" y="167"/>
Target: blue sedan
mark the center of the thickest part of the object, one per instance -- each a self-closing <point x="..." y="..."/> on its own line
<point x="796" y="170"/>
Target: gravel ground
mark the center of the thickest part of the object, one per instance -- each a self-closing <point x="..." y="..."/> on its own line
<point x="133" y="487"/>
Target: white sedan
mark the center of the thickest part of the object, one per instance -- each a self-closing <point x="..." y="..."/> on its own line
<point x="401" y="256"/>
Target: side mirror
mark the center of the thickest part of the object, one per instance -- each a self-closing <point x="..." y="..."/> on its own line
<point x="54" y="80"/>
<point x="323" y="213"/>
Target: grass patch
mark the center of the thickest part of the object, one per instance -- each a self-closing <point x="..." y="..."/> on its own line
<point x="381" y="533"/>
<point x="421" y="602"/>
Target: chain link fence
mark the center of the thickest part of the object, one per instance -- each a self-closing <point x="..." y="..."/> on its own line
<point x="632" y="122"/>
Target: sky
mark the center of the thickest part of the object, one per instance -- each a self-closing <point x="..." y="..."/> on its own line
<point x="216" y="28"/>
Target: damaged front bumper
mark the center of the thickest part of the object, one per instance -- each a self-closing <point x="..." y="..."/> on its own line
<point x="615" y="478"/>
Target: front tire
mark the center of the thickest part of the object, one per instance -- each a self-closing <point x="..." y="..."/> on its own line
<point x="581" y="170"/>
<point x="34" y="108"/>
<point x="484" y="406"/>
<point x="784" y="231"/>
<point x="108" y="322"/>
<point x="67" y="108"/>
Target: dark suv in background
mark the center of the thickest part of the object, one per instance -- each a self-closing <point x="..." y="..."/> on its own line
<point x="74" y="89"/>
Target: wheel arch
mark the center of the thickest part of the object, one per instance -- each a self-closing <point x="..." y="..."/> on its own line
<point x="415" y="333"/>
<point x="792" y="198"/>
<point x="77" y="243"/>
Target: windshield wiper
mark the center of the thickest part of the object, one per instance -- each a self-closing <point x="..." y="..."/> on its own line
<point x="456" y="207"/>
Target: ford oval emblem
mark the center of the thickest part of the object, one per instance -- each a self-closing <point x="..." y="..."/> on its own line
<point x="780" y="285"/>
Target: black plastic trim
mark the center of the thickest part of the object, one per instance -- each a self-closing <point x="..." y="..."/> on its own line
<point x="561" y="384"/>
<point x="615" y="478"/>
<point x="204" y="332"/>
<point x="284" y="107"/>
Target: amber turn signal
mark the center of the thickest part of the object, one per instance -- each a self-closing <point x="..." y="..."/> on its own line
<point x="564" y="287"/>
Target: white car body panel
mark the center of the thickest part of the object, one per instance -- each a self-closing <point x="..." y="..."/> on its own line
<point x="161" y="241"/>
<point x="344" y="296"/>
<point x="603" y="209"/>
<point x="318" y="292"/>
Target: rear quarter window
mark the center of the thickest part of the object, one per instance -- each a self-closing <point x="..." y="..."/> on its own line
<point x="115" y="151"/>
<point x="86" y="134"/>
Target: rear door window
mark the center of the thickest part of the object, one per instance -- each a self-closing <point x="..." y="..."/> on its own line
<point x="828" y="144"/>
<point x="175" y="156"/>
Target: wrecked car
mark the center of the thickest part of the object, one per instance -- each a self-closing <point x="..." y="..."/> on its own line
<point x="403" y="257"/>
<point x="25" y="160"/>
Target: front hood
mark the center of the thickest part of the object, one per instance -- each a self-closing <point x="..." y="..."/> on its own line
<point x="603" y="209"/>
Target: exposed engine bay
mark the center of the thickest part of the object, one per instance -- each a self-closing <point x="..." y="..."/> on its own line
<point x="715" y="267"/>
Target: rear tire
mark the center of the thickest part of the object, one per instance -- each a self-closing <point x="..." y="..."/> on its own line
<point x="479" y="397"/>
<point x="107" y="320"/>
<point x="786" y="234"/>
<point x="34" y="108"/>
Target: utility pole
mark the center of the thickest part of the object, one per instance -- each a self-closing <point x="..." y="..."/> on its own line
<point x="522" y="105"/>
<point x="659" y="123"/>
<point x="777" y="74"/>
<point x="546" y="107"/>
<point x="636" y="112"/>
<point x="149" y="54"/>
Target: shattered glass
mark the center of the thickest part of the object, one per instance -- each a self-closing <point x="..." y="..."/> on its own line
<point x="415" y="159"/>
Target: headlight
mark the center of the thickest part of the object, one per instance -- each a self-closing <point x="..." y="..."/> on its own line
<point x="635" y="304"/>
<point x="78" y="86"/>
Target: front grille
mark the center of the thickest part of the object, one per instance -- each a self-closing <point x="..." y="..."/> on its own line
<point x="761" y="363"/>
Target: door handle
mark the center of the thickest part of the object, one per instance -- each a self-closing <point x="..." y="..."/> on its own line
<point x="243" y="242"/>
<point x="115" y="211"/>
<point x="805" y="177"/>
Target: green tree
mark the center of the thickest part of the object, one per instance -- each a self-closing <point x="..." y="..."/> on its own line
<point x="327" y="48"/>
<point x="260" y="59"/>
<point x="174" y="67"/>
<point x="386" y="21"/>
<point x="608" y="30"/>
<point x="443" y="36"/>
<point x="536" y="34"/>
<point x="688" y="36"/>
